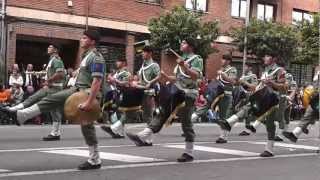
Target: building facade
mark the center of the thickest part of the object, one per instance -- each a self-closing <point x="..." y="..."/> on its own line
<point x="33" y="24"/>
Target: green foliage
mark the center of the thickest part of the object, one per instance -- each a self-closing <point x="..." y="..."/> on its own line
<point x="309" y="41"/>
<point x="268" y="38"/>
<point x="171" y="28"/>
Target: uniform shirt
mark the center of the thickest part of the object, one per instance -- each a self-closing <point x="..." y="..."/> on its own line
<point x="148" y="71"/>
<point x="92" y="66"/>
<point x="184" y="81"/>
<point x="55" y="65"/>
<point x="275" y="73"/>
<point x="249" y="78"/>
<point x="231" y="72"/>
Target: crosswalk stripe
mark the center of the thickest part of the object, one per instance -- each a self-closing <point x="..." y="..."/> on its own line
<point x="4" y="170"/>
<point x="217" y="150"/>
<point x="105" y="155"/>
<point x="295" y="146"/>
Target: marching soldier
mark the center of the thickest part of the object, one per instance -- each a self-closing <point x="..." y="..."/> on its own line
<point x="121" y="80"/>
<point x="273" y="77"/>
<point x="284" y="106"/>
<point x="311" y="114"/>
<point x="149" y="74"/>
<point x="227" y="75"/>
<point x="187" y="73"/>
<point x="54" y="83"/>
<point x="91" y="76"/>
<point x="248" y="82"/>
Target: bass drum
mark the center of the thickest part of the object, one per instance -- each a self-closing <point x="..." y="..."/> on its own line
<point x="263" y="100"/>
<point x="131" y="97"/>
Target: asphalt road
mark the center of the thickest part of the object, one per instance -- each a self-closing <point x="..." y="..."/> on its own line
<point x="24" y="156"/>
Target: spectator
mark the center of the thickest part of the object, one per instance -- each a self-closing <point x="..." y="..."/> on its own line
<point x="72" y="79"/>
<point x="15" y="79"/>
<point x="4" y="94"/>
<point x="16" y="95"/>
<point x="29" y="92"/>
<point x="30" y="79"/>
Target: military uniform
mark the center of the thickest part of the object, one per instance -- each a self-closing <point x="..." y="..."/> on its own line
<point x="284" y="110"/>
<point x="188" y="86"/>
<point x="225" y="105"/>
<point x="311" y="114"/>
<point x="55" y="65"/>
<point x="116" y="130"/>
<point x="149" y="71"/>
<point x="272" y="72"/>
<point x="92" y="66"/>
<point x="249" y="78"/>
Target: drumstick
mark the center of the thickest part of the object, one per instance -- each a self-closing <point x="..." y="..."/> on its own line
<point x="175" y="53"/>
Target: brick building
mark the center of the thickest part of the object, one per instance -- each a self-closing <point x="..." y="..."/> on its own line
<point x="32" y="24"/>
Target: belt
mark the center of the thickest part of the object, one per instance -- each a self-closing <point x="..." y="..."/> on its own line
<point x="57" y="84"/>
<point x="228" y="92"/>
<point x="149" y="91"/>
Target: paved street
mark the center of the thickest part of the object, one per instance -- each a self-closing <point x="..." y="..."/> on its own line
<point x="24" y="156"/>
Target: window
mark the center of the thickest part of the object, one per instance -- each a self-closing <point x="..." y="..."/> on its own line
<point x="239" y="8"/>
<point x="265" y="12"/>
<point x="300" y="15"/>
<point x="197" y="5"/>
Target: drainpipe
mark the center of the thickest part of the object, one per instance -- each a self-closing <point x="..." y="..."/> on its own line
<point x="3" y="62"/>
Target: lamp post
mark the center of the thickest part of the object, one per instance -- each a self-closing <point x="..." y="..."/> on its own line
<point x="245" y="50"/>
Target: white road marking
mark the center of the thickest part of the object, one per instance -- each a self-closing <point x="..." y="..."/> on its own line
<point x="119" y="146"/>
<point x="59" y="171"/>
<point x="217" y="150"/>
<point x="4" y="170"/>
<point x="294" y="146"/>
<point x="105" y="155"/>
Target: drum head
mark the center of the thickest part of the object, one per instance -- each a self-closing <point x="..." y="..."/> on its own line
<point x="75" y="115"/>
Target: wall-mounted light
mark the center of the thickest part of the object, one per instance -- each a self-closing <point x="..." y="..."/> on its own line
<point x="70" y="3"/>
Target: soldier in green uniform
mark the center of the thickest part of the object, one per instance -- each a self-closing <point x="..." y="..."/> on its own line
<point x="90" y="78"/>
<point x="311" y="114"/>
<point x="149" y="74"/>
<point x="227" y="75"/>
<point x="248" y="81"/>
<point x="187" y="72"/>
<point x="274" y="77"/>
<point x="284" y="109"/>
<point x="54" y="83"/>
<point x="120" y="80"/>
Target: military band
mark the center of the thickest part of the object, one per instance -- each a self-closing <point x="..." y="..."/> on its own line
<point x="256" y="101"/>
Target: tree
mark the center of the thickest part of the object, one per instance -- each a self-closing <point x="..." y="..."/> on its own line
<point x="171" y="28"/>
<point x="309" y="41"/>
<point x="268" y="38"/>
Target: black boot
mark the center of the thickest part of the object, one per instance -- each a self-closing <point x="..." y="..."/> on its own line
<point x="278" y="139"/>
<point x="221" y="141"/>
<point x="244" y="133"/>
<point x="185" y="158"/>
<point x="108" y="130"/>
<point x="137" y="140"/>
<point x="51" y="138"/>
<point x="266" y="154"/>
<point x="87" y="166"/>
<point x="251" y="128"/>
<point x="290" y="136"/>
